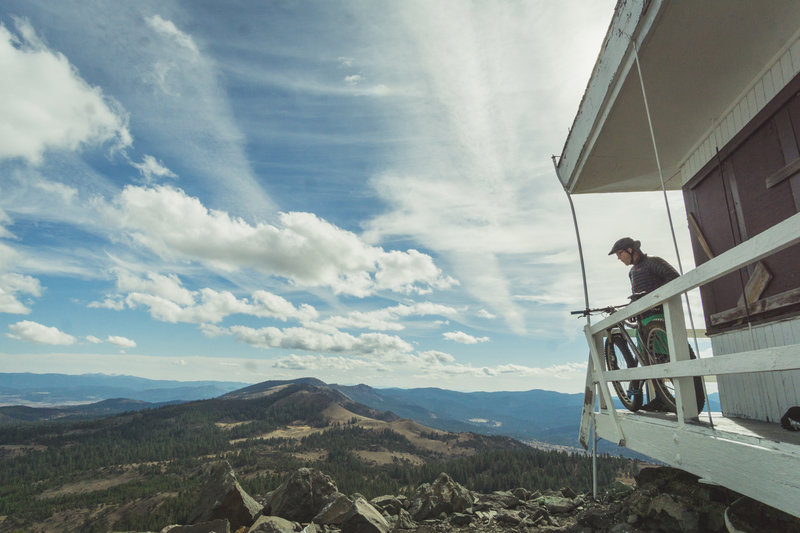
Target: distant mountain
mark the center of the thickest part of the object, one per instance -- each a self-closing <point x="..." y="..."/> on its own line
<point x="537" y="416"/>
<point x="46" y="390"/>
<point x="528" y="415"/>
<point x="15" y="414"/>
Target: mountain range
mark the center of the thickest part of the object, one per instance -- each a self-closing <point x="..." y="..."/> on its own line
<point x="538" y="417"/>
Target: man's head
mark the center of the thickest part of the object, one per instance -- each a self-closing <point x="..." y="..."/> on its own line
<point x="625" y="249"/>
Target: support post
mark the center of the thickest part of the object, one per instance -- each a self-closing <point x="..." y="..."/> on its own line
<point x="685" y="399"/>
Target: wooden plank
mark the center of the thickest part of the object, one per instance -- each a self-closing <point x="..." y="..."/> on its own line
<point x="755" y="287"/>
<point x="785" y="173"/>
<point x="686" y="404"/>
<point x="698" y="233"/>
<point x="769" y="303"/>
<point x="754" y="465"/>
<point x="769" y="359"/>
<point x="756" y="284"/>
<point x="587" y="414"/>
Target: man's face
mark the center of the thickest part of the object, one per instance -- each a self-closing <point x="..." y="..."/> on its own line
<point x="625" y="256"/>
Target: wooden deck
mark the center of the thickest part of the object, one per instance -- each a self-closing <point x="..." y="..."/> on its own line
<point x="758" y="459"/>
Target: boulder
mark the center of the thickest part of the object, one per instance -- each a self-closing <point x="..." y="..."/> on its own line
<point x="402" y="520"/>
<point x="334" y="511"/>
<point x="303" y="495"/>
<point x="273" y="524"/>
<point x="223" y="498"/>
<point x="364" y="518"/>
<point x="498" y="499"/>
<point x="442" y="496"/>
<point x="556" y="504"/>
<point x="388" y="504"/>
<point x="215" y="526"/>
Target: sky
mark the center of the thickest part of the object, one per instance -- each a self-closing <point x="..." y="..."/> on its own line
<point x="358" y="191"/>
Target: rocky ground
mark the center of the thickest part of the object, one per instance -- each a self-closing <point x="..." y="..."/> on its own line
<point x="664" y="500"/>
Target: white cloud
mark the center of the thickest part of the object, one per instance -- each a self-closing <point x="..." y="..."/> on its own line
<point x="122" y="342"/>
<point x="93" y="339"/>
<point x="474" y="182"/>
<point x="168" y="29"/>
<point x="108" y="303"/>
<point x="463" y="338"/>
<point x="29" y="331"/>
<point x="168" y="300"/>
<point x="371" y="345"/>
<point x="45" y="104"/>
<point x="433" y="356"/>
<point x="150" y="168"/>
<point x="13" y="284"/>
<point x="321" y="363"/>
<point x="388" y="318"/>
<point x="304" y="249"/>
<point x="483" y="313"/>
<point x="64" y="192"/>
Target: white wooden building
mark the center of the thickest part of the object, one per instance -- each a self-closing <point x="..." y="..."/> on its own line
<point x="704" y="97"/>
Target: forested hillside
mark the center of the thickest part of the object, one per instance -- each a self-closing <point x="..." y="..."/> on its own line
<point x="138" y="471"/>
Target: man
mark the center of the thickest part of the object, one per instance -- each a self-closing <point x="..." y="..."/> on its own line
<point x="646" y="274"/>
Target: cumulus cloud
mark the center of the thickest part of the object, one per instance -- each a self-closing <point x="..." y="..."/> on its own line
<point x="371" y="345"/>
<point x="29" y="331"/>
<point x="463" y="338"/>
<point x="45" y="104"/>
<point x="11" y="285"/>
<point x="433" y="356"/>
<point x="168" y="300"/>
<point x="122" y="342"/>
<point x="93" y="339"/>
<point x="304" y="248"/>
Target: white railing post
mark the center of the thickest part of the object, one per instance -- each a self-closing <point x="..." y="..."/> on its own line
<point x="685" y="399"/>
<point x="595" y="342"/>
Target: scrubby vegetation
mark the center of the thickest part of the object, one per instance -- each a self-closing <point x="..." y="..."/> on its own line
<point x="140" y="471"/>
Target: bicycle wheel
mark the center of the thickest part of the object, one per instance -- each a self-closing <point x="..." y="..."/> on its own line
<point x="654" y="336"/>
<point x="617" y="350"/>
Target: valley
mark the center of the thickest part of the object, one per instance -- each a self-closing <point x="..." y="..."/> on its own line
<point x="140" y="470"/>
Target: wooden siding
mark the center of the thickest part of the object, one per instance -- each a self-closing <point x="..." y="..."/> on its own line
<point x="752" y="183"/>
<point x="766" y="395"/>
<point x="772" y="79"/>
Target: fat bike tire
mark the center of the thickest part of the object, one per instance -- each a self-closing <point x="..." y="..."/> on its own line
<point x="654" y="337"/>
<point x="619" y="355"/>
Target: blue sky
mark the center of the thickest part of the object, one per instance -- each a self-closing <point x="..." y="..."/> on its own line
<point x="356" y="191"/>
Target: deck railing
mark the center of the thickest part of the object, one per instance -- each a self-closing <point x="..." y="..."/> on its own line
<point x="680" y="368"/>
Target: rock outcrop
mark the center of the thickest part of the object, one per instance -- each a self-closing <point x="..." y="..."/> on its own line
<point x="223" y="497"/>
<point x="664" y="500"/>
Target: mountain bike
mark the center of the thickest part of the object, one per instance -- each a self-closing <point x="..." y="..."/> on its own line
<point x="632" y="343"/>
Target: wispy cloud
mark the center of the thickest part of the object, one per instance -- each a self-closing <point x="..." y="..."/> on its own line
<point x="151" y="169"/>
<point x="168" y="29"/>
<point x="474" y="182"/>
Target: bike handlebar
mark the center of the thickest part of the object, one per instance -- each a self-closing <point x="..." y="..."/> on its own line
<point x="607" y="310"/>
